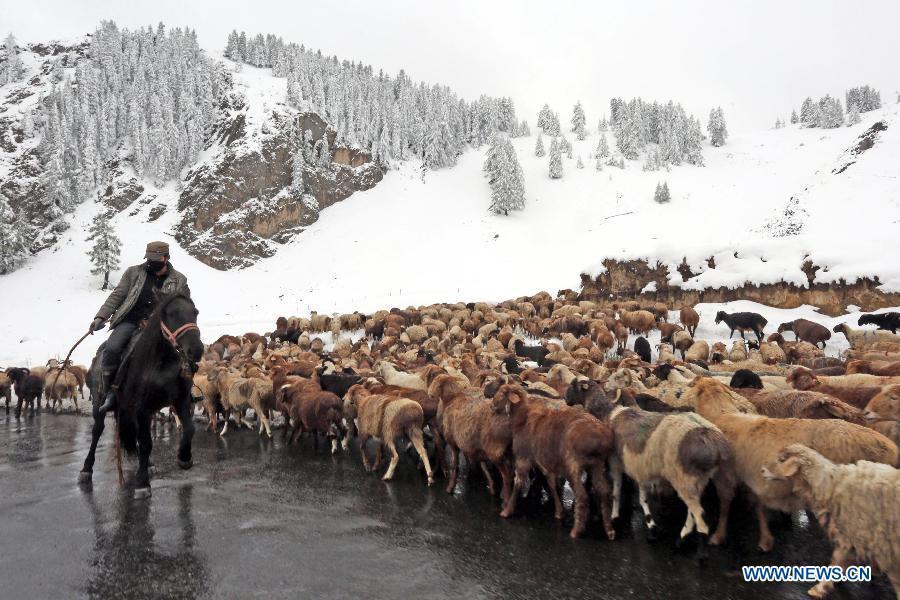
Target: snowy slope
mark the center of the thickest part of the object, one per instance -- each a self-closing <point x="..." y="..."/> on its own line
<point x="409" y="241"/>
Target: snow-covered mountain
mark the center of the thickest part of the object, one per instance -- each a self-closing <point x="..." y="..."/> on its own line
<point x="411" y="235"/>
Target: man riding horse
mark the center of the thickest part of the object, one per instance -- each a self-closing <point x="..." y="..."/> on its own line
<point x="129" y="306"/>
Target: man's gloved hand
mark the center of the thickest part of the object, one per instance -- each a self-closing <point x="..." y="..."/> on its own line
<point x="96" y="325"/>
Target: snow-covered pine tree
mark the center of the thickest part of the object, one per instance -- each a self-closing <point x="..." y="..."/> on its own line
<point x="105" y="251"/>
<point x="661" y="196"/>
<point x="778" y="123"/>
<point x="14" y="247"/>
<point x="603" y="125"/>
<point x="539" y="146"/>
<point x="602" y="147"/>
<point x="504" y="176"/>
<point x="578" y="121"/>
<point x="598" y="165"/>
<point x="579" y="164"/>
<point x="809" y="113"/>
<point x="524" y="129"/>
<point x="853" y="115"/>
<point x="544" y="118"/>
<point x="556" y="167"/>
<point x="830" y="113"/>
<point x="718" y="132"/>
<point x="12" y="69"/>
<point x="794" y="118"/>
<point x="652" y="162"/>
<point x="569" y="152"/>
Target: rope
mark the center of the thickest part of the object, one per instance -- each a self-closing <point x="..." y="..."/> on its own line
<point x="65" y="363"/>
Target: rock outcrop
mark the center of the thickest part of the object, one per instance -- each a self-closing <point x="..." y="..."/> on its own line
<point x="241" y="203"/>
<point x="627" y="279"/>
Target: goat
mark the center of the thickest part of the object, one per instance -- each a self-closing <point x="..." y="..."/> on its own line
<point x="889" y="321"/>
<point x="534" y="353"/>
<point x="28" y="388"/>
<point x="743" y="321"/>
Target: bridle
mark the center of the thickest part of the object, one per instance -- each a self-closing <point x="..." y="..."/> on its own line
<point x="172" y="337"/>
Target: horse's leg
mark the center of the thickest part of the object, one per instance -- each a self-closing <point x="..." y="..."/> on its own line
<point x="145" y="447"/>
<point x="87" y="470"/>
<point x="184" y="410"/>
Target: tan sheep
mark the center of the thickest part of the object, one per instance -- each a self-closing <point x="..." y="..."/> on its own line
<point x="682" y="341"/>
<point x="386" y="418"/>
<point x="757" y="440"/>
<point x="699" y="350"/>
<point x="738" y="351"/>
<point x="857" y="505"/>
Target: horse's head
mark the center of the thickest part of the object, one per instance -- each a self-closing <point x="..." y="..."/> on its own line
<point x="178" y="322"/>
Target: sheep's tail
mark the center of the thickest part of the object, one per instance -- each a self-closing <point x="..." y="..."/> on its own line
<point x="702" y="449"/>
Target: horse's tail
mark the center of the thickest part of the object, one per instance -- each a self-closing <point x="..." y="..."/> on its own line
<point x="118" y="450"/>
<point x="126" y="424"/>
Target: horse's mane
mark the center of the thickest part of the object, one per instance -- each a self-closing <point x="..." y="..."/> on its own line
<point x="145" y="355"/>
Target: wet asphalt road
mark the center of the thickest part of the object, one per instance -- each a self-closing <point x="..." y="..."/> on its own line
<point x="254" y="518"/>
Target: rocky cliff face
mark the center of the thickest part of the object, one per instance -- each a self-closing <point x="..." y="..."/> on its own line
<point x="239" y="205"/>
<point x="628" y="279"/>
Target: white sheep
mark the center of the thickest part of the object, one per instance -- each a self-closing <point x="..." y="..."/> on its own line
<point x="858" y="506"/>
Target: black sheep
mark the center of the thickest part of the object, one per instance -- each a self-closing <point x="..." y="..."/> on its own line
<point x="642" y="348"/>
<point x="28" y="388"/>
<point x="889" y="321"/>
<point x="511" y="365"/>
<point x="337" y="383"/>
<point x="535" y="353"/>
<point x="745" y="378"/>
<point x="743" y="321"/>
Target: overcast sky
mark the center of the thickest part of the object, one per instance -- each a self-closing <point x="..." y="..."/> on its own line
<point x="757" y="59"/>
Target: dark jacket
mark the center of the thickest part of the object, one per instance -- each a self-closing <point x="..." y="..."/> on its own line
<point x="122" y="299"/>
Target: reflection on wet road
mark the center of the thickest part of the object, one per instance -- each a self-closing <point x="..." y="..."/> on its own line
<point x="256" y="518"/>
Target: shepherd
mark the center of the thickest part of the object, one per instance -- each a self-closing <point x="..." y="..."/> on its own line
<point x="157" y="372"/>
<point x="129" y="306"/>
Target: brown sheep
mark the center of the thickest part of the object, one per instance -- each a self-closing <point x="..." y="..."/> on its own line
<point x="386" y="418"/>
<point x="667" y="329"/>
<point x="682" y="341"/>
<point x="690" y="318"/>
<point x="563" y="442"/>
<point x="316" y="411"/>
<point x="468" y="423"/>
<point x="874" y="367"/>
<point x="639" y="321"/>
<point x="858" y="396"/>
<point x="807" y="331"/>
<point x="718" y="353"/>
<point x="786" y="404"/>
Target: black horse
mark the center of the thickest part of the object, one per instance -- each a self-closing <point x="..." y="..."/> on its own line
<point x="157" y="374"/>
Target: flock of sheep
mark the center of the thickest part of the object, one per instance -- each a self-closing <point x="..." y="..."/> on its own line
<point x="773" y="418"/>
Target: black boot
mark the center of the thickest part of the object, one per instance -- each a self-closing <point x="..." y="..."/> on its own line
<point x="109" y="401"/>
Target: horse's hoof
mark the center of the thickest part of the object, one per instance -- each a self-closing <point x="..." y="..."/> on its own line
<point x="85" y="477"/>
<point x="142" y="492"/>
<point x="185" y="464"/>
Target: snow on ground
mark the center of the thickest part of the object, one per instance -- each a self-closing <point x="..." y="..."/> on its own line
<point x="414" y="241"/>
